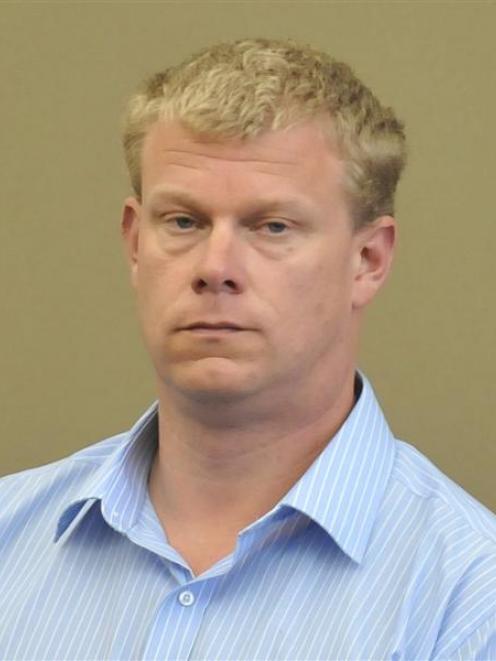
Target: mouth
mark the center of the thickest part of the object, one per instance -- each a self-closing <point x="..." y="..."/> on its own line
<point x="199" y="330"/>
<point x="221" y="326"/>
<point x="222" y="329"/>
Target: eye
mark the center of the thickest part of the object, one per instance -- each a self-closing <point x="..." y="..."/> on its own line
<point x="276" y="227"/>
<point x="181" y="222"/>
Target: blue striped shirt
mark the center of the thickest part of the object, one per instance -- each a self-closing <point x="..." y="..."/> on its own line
<point x="372" y="554"/>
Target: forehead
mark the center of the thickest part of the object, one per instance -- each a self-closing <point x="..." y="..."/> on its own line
<point x="299" y="159"/>
<point x="305" y="146"/>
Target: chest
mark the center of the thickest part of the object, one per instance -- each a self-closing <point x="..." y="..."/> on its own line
<point x="298" y="597"/>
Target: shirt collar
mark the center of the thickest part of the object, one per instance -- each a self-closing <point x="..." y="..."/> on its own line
<point x="341" y="491"/>
<point x="120" y="482"/>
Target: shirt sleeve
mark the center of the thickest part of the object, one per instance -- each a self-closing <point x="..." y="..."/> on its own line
<point x="480" y="645"/>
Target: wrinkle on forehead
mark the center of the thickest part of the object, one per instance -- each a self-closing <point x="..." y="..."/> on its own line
<point x="226" y="158"/>
<point x="270" y="149"/>
<point x="201" y="168"/>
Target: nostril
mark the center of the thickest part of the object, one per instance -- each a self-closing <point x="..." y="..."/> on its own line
<point x="201" y="284"/>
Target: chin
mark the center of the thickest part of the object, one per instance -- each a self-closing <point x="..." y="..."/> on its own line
<point x="212" y="379"/>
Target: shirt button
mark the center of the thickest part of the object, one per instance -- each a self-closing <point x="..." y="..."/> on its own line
<point x="186" y="598"/>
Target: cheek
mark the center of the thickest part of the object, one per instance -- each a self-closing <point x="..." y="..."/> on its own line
<point x="318" y="307"/>
<point x="321" y="291"/>
<point x="159" y="283"/>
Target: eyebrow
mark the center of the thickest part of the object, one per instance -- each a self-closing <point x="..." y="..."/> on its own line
<point x="259" y="206"/>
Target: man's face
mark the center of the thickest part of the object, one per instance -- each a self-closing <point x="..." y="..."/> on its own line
<point x="255" y="234"/>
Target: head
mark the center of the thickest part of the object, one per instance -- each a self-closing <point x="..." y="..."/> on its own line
<point x="245" y="88"/>
<point x="264" y="175"/>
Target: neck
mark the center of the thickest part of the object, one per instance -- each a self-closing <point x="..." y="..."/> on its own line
<point x="229" y="464"/>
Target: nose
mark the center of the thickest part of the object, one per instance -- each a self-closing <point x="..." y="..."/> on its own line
<point x="219" y="262"/>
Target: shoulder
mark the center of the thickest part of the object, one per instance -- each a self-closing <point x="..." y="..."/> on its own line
<point x="449" y="539"/>
<point x="441" y="501"/>
<point x="45" y="487"/>
<point x="93" y="454"/>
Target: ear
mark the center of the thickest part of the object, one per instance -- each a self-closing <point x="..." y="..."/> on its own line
<point x="131" y="215"/>
<point x="373" y="255"/>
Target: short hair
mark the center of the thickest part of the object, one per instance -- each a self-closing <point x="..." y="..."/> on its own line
<point x="243" y="88"/>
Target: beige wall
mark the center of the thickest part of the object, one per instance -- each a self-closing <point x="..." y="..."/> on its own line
<point x="72" y="363"/>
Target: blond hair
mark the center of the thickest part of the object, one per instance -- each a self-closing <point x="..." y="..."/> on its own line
<point x="240" y="89"/>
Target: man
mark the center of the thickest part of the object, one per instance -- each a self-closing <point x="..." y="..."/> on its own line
<point x="261" y="508"/>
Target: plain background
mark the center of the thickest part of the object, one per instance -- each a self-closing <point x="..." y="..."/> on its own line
<point x="73" y="366"/>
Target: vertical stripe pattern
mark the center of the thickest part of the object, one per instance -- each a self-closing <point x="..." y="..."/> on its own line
<point x="373" y="554"/>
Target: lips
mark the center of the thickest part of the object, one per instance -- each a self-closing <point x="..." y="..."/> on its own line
<point x="218" y="325"/>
